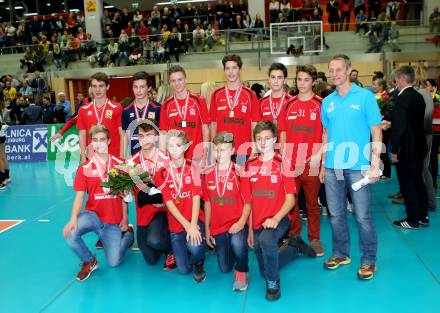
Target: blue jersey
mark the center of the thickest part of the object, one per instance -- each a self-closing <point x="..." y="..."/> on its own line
<point x="348" y="120"/>
<point x="129" y="123"/>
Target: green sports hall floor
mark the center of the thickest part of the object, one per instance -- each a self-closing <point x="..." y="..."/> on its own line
<point x="38" y="270"/>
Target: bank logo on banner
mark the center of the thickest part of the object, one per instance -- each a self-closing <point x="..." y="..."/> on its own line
<point x="26" y="143"/>
<point x="39" y="141"/>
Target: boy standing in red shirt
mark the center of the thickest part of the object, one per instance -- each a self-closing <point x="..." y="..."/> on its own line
<point x="101" y="111"/>
<point x="273" y="104"/>
<point x="226" y="214"/>
<point x="181" y="190"/>
<point x="271" y="193"/>
<point x="104" y="213"/>
<point x="152" y="232"/>
<point x="188" y="112"/>
<point x="234" y="108"/>
<point x="301" y="141"/>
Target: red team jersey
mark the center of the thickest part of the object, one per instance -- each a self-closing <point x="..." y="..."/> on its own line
<point x="278" y="106"/>
<point x="265" y="187"/>
<point x="145" y="214"/>
<point x="302" y="123"/>
<point x="195" y="116"/>
<point x="191" y="186"/>
<point x="246" y="111"/>
<point x="105" y="205"/>
<point x="110" y="115"/>
<point x="227" y="207"/>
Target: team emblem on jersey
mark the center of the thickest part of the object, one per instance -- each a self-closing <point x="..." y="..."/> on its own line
<point x="108" y="114"/>
<point x="266" y="113"/>
<point x="192" y="111"/>
<point x="152" y="115"/>
<point x="229" y="185"/>
<point x="89" y="113"/>
<point x="253" y="179"/>
<point x="187" y="180"/>
<point x="131" y="114"/>
<point x="313" y="116"/>
<point x="222" y="108"/>
<point x="244" y="109"/>
<point x="173" y="114"/>
<point x="211" y="187"/>
<point x="273" y="179"/>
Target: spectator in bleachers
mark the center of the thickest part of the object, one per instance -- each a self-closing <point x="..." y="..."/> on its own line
<point x="106" y="21"/>
<point x="333" y="15"/>
<point x="274" y="8"/>
<point x="198" y="38"/>
<point x="393" y="10"/>
<point x="173" y="44"/>
<point x="55" y="52"/>
<point x="375" y="38"/>
<point x="39" y="87"/>
<point x="137" y="18"/>
<point x="358" y="6"/>
<point x="361" y="22"/>
<point x="220" y="10"/>
<point x="147" y="48"/>
<point x="434" y="20"/>
<point x="143" y="30"/>
<point x="295" y="13"/>
<point x="258" y="23"/>
<point x="71" y="24"/>
<point x="65" y="104"/>
<point x="25" y="89"/>
<point x="393" y="37"/>
<point x="32" y="114"/>
<point x="9" y="91"/>
<point x="35" y="26"/>
<point x="10" y="34"/>
<point x="113" y="50"/>
<point x="285" y="8"/>
<point x="187" y="38"/>
<point x="59" y="25"/>
<point x="346" y="6"/>
<point x="159" y="52"/>
<point x="155" y="17"/>
<point x="47" y="26"/>
<point x="354" y="77"/>
<point x="280" y="18"/>
<point x="48" y="111"/>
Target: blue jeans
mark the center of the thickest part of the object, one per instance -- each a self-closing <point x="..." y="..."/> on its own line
<point x="114" y="242"/>
<point x="232" y="249"/>
<point x="185" y="253"/>
<point x="271" y="258"/>
<point x="154" y="239"/>
<point x="336" y="184"/>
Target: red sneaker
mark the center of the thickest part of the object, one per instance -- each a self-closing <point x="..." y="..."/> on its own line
<point x="170" y="262"/>
<point x="86" y="269"/>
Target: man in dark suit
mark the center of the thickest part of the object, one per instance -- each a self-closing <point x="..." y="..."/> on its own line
<point x="409" y="148"/>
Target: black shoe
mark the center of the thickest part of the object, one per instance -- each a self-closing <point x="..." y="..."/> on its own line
<point x="199" y="272"/>
<point x="424" y="221"/>
<point x="303" y="248"/>
<point x="397" y="195"/>
<point x="405" y="224"/>
<point x="273" y="290"/>
<point x="2" y="186"/>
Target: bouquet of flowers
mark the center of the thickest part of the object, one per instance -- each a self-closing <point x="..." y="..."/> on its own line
<point x="384" y="102"/>
<point x="122" y="179"/>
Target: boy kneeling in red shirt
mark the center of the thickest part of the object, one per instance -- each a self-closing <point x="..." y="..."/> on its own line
<point x="104" y="214"/>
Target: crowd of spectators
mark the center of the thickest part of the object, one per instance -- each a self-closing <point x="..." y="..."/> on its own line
<point x="28" y="101"/>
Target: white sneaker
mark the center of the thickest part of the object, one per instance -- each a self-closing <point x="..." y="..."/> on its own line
<point x="349" y="207"/>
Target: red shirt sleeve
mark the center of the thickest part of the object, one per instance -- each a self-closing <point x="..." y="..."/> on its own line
<point x="119" y="116"/>
<point x="160" y="179"/>
<point x="282" y="121"/>
<point x="213" y="109"/>
<point x="204" y="116"/>
<point x="256" y="108"/>
<point x="164" y="121"/>
<point x="80" y="183"/>
<point x="205" y="192"/>
<point x="81" y="123"/>
<point x="246" y="192"/>
<point x="197" y="182"/>
<point x="68" y="124"/>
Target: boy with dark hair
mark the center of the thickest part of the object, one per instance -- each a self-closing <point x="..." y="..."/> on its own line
<point x="271" y="194"/>
<point x="101" y="111"/>
<point x="188" y="112"/>
<point x="140" y="109"/>
<point x="301" y="141"/>
<point x="234" y="108"/>
<point x="152" y="232"/>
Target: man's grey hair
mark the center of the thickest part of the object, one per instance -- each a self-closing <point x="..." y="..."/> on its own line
<point x="406" y="71"/>
<point x="342" y="57"/>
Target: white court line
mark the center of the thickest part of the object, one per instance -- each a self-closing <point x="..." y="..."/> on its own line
<point x="19" y="222"/>
<point x="43" y="221"/>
